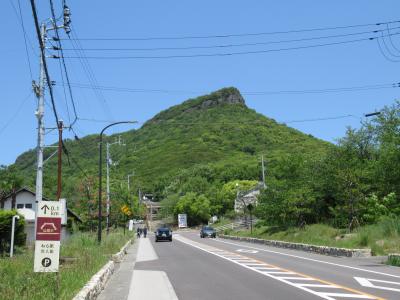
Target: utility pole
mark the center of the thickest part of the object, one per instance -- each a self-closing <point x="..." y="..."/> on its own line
<point x="108" y="204"/>
<point x="60" y="130"/>
<point x="129" y="187"/>
<point x="263" y="170"/>
<point x="39" y="91"/>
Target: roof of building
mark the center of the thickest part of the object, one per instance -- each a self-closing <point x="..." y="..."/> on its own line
<point x="25" y="189"/>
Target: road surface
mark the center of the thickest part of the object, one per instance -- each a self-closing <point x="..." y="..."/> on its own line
<point x="195" y="268"/>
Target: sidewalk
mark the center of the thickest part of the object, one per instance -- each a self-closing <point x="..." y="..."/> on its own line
<point x="129" y="284"/>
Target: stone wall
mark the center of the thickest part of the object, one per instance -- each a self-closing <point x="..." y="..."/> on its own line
<point x="332" y="251"/>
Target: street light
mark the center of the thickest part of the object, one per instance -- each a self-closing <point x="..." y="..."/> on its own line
<point x="100" y="172"/>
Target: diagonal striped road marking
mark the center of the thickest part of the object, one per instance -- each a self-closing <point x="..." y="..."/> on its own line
<point x="298" y="280"/>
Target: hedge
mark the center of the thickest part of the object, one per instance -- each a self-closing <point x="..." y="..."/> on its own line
<point x="5" y="231"/>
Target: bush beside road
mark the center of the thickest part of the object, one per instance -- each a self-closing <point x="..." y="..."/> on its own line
<point x="18" y="281"/>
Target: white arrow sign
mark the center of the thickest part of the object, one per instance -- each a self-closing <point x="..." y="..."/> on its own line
<point x="385" y="285"/>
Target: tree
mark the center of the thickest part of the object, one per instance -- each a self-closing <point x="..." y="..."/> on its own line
<point x="10" y="182"/>
<point x="197" y="208"/>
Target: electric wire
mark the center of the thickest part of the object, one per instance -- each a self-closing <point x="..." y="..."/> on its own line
<point x="89" y="73"/>
<point x="43" y="56"/>
<point x="15" y="114"/>
<point x="391" y="40"/>
<point x="248" y="93"/>
<point x="239" y="34"/>
<point x="63" y="62"/>
<point x="222" y="54"/>
<point x="21" y="21"/>
<point x="388" y="48"/>
<point x="237" y="45"/>
<point x="384" y="54"/>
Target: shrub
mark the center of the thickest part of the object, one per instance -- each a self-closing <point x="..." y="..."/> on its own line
<point x="5" y="230"/>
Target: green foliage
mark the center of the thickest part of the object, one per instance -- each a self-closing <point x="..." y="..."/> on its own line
<point x="197" y="208"/>
<point x="5" y="230"/>
<point x="18" y="281"/>
<point x="10" y="180"/>
<point x="197" y="146"/>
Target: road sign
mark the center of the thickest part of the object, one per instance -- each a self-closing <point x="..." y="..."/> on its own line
<point x="126" y="210"/>
<point x="52" y="209"/>
<point x="182" y="220"/>
<point x="379" y="284"/>
<point x="48" y="229"/>
<point x="47" y="255"/>
<point x="48" y="235"/>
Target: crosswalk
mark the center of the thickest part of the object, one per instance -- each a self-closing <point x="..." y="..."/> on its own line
<point x="320" y="288"/>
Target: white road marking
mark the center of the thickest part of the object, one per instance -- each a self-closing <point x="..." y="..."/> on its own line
<point x="367" y="282"/>
<point x="284" y="279"/>
<point x="247" y="251"/>
<point x="145" y="251"/>
<point x="151" y="285"/>
<point x="310" y="259"/>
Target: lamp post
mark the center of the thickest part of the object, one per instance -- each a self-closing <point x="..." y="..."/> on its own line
<point x="100" y="172"/>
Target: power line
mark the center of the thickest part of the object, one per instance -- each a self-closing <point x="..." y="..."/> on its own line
<point x="21" y="21"/>
<point x="63" y="63"/>
<point x="249" y="93"/>
<point x="15" y="114"/>
<point x="391" y="40"/>
<point x="42" y="50"/>
<point x="236" y="45"/>
<point x="232" y="53"/>
<point x="89" y="72"/>
<point x="237" y="34"/>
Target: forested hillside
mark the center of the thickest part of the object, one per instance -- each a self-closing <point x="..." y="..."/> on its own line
<point x="197" y="147"/>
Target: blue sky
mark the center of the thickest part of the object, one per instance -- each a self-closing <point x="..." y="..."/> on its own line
<point x="344" y="65"/>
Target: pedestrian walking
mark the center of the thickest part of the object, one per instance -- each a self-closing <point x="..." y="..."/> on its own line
<point x="138" y="232"/>
<point x="145" y="231"/>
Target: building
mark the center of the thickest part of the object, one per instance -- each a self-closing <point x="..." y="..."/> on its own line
<point x="248" y="197"/>
<point x="24" y="201"/>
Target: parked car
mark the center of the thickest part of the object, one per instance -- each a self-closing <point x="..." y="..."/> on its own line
<point x="163" y="234"/>
<point x="208" y="231"/>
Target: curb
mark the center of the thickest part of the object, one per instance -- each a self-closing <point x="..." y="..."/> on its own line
<point x="331" y="251"/>
<point x="96" y="284"/>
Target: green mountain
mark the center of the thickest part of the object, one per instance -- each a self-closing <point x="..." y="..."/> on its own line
<point x="216" y="133"/>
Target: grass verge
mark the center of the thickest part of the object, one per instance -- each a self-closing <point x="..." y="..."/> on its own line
<point x="18" y="281"/>
<point x="382" y="238"/>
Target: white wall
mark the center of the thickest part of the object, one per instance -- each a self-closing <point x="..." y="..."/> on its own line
<point x="22" y="198"/>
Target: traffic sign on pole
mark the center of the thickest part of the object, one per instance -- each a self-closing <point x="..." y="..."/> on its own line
<point x="48" y="235"/>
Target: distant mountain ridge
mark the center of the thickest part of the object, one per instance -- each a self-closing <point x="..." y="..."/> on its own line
<point x="216" y="130"/>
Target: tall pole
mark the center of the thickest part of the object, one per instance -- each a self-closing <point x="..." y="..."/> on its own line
<point x="263" y="170"/>
<point x="129" y="188"/>
<point x="40" y="116"/>
<point x="101" y="173"/>
<point x="108" y="189"/>
<point x="60" y="130"/>
<point x="12" y="235"/>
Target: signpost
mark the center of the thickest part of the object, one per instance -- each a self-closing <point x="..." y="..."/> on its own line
<point x="182" y="220"/>
<point x="48" y="235"/>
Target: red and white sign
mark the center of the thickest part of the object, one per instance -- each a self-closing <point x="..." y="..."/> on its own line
<point x="48" y="235"/>
<point x="48" y="229"/>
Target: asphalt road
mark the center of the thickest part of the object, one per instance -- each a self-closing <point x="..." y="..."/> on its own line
<point x="223" y="269"/>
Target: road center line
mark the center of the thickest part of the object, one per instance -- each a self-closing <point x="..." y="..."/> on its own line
<point x="309" y="259"/>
